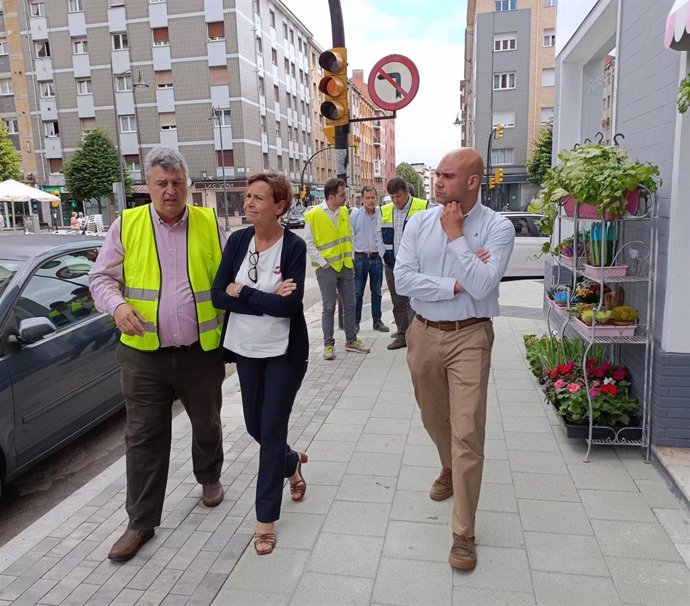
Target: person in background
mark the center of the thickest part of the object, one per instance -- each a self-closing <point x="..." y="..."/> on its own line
<point x="74" y="221"/>
<point x="260" y="283"/>
<point x="450" y="262"/>
<point x="154" y="276"/>
<point x="81" y="222"/>
<point x="368" y="257"/>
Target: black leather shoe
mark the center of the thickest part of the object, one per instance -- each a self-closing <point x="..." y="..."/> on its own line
<point x="212" y="494"/>
<point x="127" y="546"/>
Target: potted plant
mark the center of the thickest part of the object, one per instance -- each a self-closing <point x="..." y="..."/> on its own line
<point x="683" y="100"/>
<point x="602" y="177"/>
<point x="566" y="249"/>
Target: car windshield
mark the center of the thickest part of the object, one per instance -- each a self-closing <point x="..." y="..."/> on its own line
<point x="7" y="270"/>
<point x="297" y="212"/>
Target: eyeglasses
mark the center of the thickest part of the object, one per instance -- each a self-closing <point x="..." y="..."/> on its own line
<point x="253" y="261"/>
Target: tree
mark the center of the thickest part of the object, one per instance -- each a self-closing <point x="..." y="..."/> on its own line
<point x="412" y="177"/>
<point x="93" y="168"/>
<point x="540" y="159"/>
<point x="10" y="164"/>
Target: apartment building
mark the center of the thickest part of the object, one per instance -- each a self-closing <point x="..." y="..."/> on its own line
<point x="227" y="83"/>
<point x="509" y="77"/>
<point x="424" y="172"/>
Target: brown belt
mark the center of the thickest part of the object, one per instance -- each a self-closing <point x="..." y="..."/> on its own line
<point x="448" y="326"/>
<point x="368" y="255"/>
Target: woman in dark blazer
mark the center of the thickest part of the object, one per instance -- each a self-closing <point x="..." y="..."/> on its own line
<point x="260" y="283"/>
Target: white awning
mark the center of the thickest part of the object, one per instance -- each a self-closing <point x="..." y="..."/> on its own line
<point x="678" y="26"/>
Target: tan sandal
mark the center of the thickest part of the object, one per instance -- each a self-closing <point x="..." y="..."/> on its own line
<point x="264" y="538"/>
<point x="299" y="488"/>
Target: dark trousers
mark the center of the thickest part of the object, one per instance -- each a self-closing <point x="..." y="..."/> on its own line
<point x="151" y="382"/>
<point x="269" y="387"/>
<point x="402" y="312"/>
<point x="372" y="269"/>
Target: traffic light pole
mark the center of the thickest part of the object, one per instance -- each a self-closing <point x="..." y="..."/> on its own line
<point x="488" y="169"/>
<point x="341" y="132"/>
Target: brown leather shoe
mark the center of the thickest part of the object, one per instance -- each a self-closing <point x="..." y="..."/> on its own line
<point x="212" y="494"/>
<point x="442" y="488"/>
<point x="126" y="547"/>
<point x="463" y="553"/>
<point x="399" y="343"/>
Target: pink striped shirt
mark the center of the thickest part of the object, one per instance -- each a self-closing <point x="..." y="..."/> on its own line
<point x="177" y="324"/>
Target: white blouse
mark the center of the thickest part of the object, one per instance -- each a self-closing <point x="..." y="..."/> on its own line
<point x="259" y="336"/>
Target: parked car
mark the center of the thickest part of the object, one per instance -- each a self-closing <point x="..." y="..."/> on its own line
<point x="527" y="260"/>
<point x="294" y="219"/>
<point x="58" y="372"/>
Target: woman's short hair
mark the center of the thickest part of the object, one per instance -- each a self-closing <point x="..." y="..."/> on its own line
<point x="281" y="188"/>
<point x="167" y="158"/>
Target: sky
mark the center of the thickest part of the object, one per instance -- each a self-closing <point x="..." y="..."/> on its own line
<point x="431" y="34"/>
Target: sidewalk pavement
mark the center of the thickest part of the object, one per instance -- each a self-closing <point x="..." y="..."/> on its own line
<point x="551" y="529"/>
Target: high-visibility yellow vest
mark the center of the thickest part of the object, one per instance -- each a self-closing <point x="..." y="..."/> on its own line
<point x="387" y="221"/>
<point x="142" y="275"/>
<point x="334" y="243"/>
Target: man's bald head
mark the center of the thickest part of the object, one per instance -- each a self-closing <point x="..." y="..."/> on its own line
<point x="458" y="177"/>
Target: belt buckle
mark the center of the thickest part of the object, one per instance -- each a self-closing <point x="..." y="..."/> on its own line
<point x="458" y="324"/>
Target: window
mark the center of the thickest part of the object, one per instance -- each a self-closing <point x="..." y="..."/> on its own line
<point x="507" y="118"/>
<point x="164" y="79"/>
<point x="87" y="124"/>
<point x="80" y="46"/>
<point x="546" y="115"/>
<point x="55" y="166"/>
<point x="84" y="86"/>
<point x="168" y="121"/>
<point x="274" y="56"/>
<point x="120" y="41"/>
<point x="160" y="36"/>
<point x="548" y="76"/>
<point x="155" y="1"/>
<point x="223" y="117"/>
<point x="128" y="124"/>
<point x="75" y="6"/>
<point x="123" y="83"/>
<point x="51" y="129"/>
<point x="504" y="81"/>
<point x="505" y="5"/>
<point x="285" y="30"/>
<point x="276" y="94"/>
<point x="133" y="163"/>
<point x="521" y="225"/>
<point x="47" y="89"/>
<point x="549" y="3"/>
<point x="505" y="42"/>
<point x="42" y="49"/>
<point x="549" y="37"/>
<point x="59" y="290"/>
<point x="219" y="75"/>
<point x="292" y="36"/>
<point x="216" y="31"/>
<point x="3" y="47"/>
<point x="259" y="46"/>
<point x="11" y="125"/>
<point x="502" y="156"/>
<point x="37" y="9"/>
<point x="272" y="17"/>
<point x="6" y="87"/>
<point x="225" y="158"/>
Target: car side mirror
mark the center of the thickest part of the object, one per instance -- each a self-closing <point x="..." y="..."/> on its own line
<point x="32" y="330"/>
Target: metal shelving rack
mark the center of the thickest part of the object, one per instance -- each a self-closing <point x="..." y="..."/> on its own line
<point x="644" y="267"/>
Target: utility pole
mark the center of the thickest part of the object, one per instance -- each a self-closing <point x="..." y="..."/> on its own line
<point x="341" y="132"/>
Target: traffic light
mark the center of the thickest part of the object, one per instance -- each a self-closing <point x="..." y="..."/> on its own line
<point x="498" y="176"/>
<point x="303" y="193"/>
<point x="499" y="130"/>
<point x="329" y="133"/>
<point x="334" y="87"/>
<point x="492" y="182"/>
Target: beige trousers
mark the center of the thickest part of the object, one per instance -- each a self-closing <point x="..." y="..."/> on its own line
<point x="450" y="374"/>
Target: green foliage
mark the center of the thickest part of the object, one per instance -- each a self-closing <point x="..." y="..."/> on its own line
<point x="93" y="168"/>
<point x="684" y="95"/>
<point x="549" y="352"/>
<point x="410" y="175"/>
<point x="540" y="160"/>
<point x="10" y="164"/>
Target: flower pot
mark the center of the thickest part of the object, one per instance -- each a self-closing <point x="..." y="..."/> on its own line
<point x="604" y="330"/>
<point x="610" y="271"/>
<point x="561" y="310"/>
<point x="589" y="211"/>
<point x="569" y="261"/>
<point x="580" y="430"/>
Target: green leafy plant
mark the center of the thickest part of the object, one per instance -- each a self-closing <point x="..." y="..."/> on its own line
<point x="684" y="95"/>
<point x="540" y="159"/>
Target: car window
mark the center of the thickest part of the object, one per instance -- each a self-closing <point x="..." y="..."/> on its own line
<point x="521" y="226"/>
<point x="59" y="290"/>
<point x="7" y="270"/>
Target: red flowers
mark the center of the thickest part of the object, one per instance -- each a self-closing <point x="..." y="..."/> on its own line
<point x="609" y="389"/>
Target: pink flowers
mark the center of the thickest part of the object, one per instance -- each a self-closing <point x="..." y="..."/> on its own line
<point x="558" y="384"/>
<point x="573" y="387"/>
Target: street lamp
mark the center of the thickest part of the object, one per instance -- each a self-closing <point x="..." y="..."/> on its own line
<point x="217" y="114"/>
<point x="121" y="196"/>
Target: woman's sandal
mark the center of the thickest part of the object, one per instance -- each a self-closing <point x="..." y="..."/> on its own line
<point x="300" y="487"/>
<point x="264" y="538"/>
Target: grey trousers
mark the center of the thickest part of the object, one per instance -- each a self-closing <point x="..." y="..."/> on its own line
<point x="402" y="312"/>
<point x="344" y="282"/>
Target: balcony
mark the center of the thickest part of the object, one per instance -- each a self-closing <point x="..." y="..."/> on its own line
<point x="377" y="141"/>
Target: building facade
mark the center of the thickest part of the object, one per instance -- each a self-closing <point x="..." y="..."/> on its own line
<point x="425" y="172"/>
<point x="509" y="79"/>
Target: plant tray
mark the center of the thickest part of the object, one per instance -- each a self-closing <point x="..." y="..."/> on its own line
<point x="610" y="271"/>
<point x="617" y="434"/>
<point x="589" y="211"/>
<point x="605" y="330"/>
<point x="565" y="260"/>
<point x="561" y="310"/>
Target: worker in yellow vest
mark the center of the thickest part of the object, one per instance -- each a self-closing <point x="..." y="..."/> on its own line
<point x="328" y="235"/>
<point x="154" y="276"/>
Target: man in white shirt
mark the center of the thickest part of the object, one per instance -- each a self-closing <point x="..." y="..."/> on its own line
<point x="369" y="252"/>
<point x="452" y="283"/>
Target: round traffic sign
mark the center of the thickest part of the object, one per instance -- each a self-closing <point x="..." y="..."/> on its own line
<point x="393" y="82"/>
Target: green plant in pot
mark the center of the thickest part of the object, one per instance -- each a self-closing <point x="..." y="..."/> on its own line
<point x="599" y="175"/>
